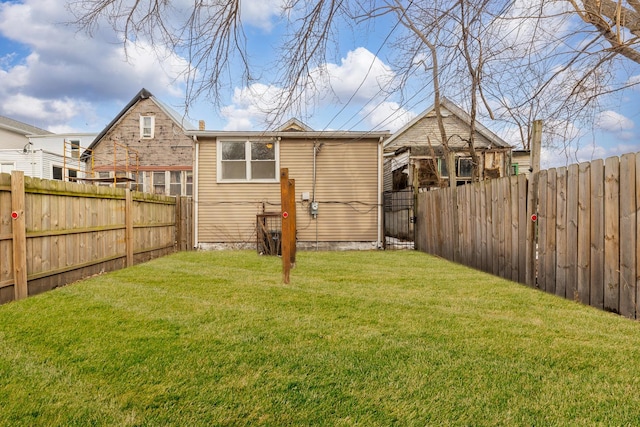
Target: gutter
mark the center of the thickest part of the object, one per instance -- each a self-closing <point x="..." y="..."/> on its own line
<point x="196" y="181"/>
<point x="380" y="195"/>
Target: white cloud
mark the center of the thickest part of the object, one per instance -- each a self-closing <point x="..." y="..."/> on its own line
<point x="360" y="78"/>
<point x="260" y="13"/>
<point x="387" y="116"/>
<point x="613" y="122"/>
<point x="20" y="105"/>
<point x="67" y="68"/>
<point x="360" y="73"/>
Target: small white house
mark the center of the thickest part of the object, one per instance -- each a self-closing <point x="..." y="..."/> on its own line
<point x="40" y="153"/>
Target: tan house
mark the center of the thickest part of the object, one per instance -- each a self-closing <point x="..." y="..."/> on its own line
<point x="414" y="155"/>
<point x="338" y="186"/>
<point x="145" y="147"/>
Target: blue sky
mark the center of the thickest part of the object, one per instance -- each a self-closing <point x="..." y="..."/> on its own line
<point x="56" y="78"/>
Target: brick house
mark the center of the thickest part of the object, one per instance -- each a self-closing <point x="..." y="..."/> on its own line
<point x="145" y="148"/>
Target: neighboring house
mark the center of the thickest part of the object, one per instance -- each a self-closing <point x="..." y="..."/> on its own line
<point x="14" y="145"/>
<point x="414" y="155"/>
<point x="521" y="162"/>
<point x="40" y="153"/>
<point x="145" y="148"/>
<point x="338" y="186"/>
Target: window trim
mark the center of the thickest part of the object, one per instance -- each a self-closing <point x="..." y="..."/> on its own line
<point x="247" y="147"/>
<point x="152" y="126"/>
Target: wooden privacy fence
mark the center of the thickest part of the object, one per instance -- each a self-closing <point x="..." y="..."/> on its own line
<point x="587" y="232"/>
<point x="54" y="232"/>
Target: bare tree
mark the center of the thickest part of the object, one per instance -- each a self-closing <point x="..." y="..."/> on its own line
<point x="511" y="61"/>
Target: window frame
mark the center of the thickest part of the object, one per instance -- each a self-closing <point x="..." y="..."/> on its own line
<point x="248" y="161"/>
<point x="459" y="161"/>
<point x="152" y="126"/>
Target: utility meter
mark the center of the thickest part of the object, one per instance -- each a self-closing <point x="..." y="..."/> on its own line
<point x="313" y="209"/>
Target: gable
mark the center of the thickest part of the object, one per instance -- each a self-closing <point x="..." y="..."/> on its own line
<point x="168" y="146"/>
<point x="423" y="130"/>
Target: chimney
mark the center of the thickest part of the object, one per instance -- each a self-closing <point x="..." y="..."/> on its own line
<point x="201" y="125"/>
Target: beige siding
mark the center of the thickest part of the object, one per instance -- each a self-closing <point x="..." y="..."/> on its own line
<point x="346" y="189"/>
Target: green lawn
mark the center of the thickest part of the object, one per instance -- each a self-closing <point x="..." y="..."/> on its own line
<point x="357" y="338"/>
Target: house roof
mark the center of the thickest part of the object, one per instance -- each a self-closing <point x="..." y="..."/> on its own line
<point x="145" y="94"/>
<point x="458" y="112"/>
<point x="353" y="135"/>
<point x="294" y="125"/>
<point x="21" y="128"/>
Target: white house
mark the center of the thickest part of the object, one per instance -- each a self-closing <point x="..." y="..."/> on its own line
<point x="40" y="153"/>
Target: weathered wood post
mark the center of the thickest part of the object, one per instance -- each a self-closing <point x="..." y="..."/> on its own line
<point x="288" y="239"/>
<point x="532" y="203"/>
<point x="128" y="221"/>
<point x="19" y="231"/>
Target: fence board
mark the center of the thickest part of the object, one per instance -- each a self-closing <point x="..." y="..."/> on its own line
<point x="515" y="219"/>
<point x="523" y="224"/>
<point x="561" y="250"/>
<point x="502" y="226"/>
<point x="627" y="229"/>
<point x="597" y="234"/>
<point x="485" y="207"/>
<point x="571" y="257"/>
<point x="584" y="233"/>
<point x="543" y="230"/>
<point x="550" y="253"/>
<point x="637" y="235"/>
<point x="611" y="235"/>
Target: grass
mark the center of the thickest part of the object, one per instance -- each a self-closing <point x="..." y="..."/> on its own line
<point x="358" y="338"/>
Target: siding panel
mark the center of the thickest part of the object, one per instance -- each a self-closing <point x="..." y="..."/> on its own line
<point x="346" y="190"/>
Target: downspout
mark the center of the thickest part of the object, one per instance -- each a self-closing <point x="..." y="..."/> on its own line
<point x="196" y="180"/>
<point x="380" y="191"/>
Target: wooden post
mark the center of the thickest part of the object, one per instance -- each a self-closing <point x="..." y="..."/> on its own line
<point x="128" y="220"/>
<point x="288" y="239"/>
<point x="19" y="232"/>
<point x="532" y="204"/>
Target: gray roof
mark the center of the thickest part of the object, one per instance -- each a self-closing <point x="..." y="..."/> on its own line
<point x="20" y="127"/>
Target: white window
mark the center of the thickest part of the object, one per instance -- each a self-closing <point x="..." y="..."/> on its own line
<point x="75" y="148"/>
<point x="159" y="180"/>
<point x="7" y="167"/>
<point x="175" y="187"/>
<point x="188" y="191"/>
<point x="240" y="161"/>
<point x="147" y="125"/>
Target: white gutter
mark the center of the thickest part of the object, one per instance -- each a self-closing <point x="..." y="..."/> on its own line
<point x="196" y="180"/>
<point x="380" y="190"/>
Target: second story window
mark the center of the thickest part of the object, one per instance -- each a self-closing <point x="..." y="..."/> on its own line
<point x="147" y="124"/>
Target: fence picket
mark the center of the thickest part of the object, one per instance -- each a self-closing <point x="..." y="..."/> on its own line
<point x="628" y="209"/>
<point x="571" y="259"/>
<point x="611" y="235"/>
<point x="597" y="234"/>
<point x="562" y="262"/>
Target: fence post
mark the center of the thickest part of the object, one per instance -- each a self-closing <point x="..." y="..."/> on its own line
<point x="128" y="221"/>
<point x="19" y="236"/>
<point x="532" y="204"/>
